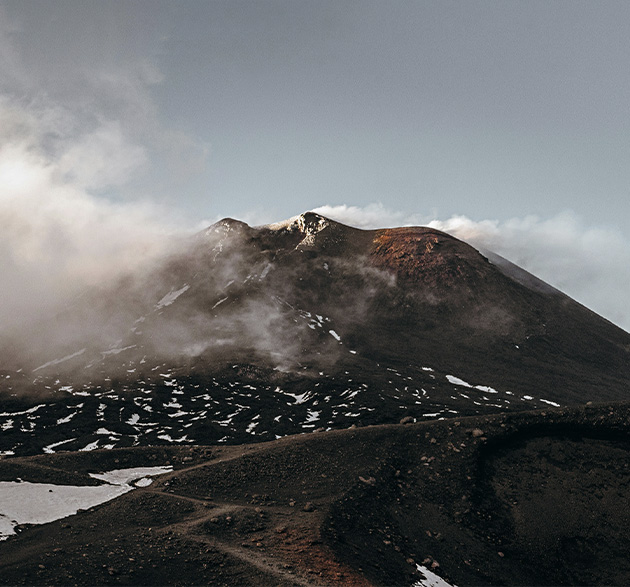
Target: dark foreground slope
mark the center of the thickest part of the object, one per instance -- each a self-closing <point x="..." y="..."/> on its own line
<point x="520" y="499"/>
<point x="245" y="334"/>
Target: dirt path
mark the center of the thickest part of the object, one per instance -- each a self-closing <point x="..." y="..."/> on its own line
<point x="195" y="500"/>
<point x="262" y="561"/>
<point x="234" y="452"/>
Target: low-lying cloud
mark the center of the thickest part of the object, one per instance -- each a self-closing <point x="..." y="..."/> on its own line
<point x="72" y="143"/>
<point x="590" y="264"/>
<point x="57" y="236"/>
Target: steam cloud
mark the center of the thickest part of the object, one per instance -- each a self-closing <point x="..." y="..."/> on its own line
<point x="57" y="236"/>
<point x="75" y="148"/>
<point x="592" y="265"/>
<point x="69" y="140"/>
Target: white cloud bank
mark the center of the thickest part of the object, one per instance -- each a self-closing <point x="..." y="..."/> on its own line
<point x="57" y="236"/>
<point x="72" y="143"/>
<point x="590" y="264"/>
<point x="373" y="215"/>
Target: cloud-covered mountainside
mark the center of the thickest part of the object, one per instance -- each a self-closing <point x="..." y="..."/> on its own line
<point x="241" y="334"/>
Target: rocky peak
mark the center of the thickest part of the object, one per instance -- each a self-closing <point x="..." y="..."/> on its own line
<point x="308" y="224"/>
<point x="225" y="225"/>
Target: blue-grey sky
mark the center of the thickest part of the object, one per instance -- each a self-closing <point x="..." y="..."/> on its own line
<point x="506" y="113"/>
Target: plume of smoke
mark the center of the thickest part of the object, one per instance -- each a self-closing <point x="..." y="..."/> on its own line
<point x="57" y="236"/>
<point x="70" y="145"/>
<point x="590" y="264"/>
<point x="72" y="141"/>
<point x="374" y="215"/>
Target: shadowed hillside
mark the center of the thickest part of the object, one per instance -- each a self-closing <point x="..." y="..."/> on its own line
<point x="534" y="498"/>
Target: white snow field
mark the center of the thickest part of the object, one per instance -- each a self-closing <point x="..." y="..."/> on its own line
<point x="22" y="502"/>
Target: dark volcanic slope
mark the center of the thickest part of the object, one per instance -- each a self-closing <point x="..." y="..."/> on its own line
<point x="529" y="498"/>
<point x="248" y="334"/>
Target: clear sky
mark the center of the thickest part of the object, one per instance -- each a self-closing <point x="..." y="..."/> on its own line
<point x="515" y="113"/>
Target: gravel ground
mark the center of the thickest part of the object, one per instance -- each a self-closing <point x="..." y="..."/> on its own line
<point x="532" y="498"/>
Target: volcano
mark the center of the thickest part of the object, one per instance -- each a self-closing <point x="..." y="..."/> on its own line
<point x="383" y="350"/>
<point x="244" y="334"/>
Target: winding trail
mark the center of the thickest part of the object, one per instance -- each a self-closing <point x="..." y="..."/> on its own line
<point x="263" y="562"/>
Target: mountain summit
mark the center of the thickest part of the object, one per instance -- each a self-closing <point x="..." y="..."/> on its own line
<point x="250" y="333"/>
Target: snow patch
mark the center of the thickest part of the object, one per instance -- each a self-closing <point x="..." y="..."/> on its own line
<point x="312" y="416"/>
<point x="57" y="361"/>
<point x="66" y="419"/>
<point x="334" y="335"/>
<point x="169" y="438"/>
<point x="127" y="476"/>
<point x="486" y="389"/>
<point x="170" y="297"/>
<point x="219" y="302"/>
<point x="23" y="502"/>
<point x="265" y="271"/>
<point x="430" y="579"/>
<point x="49" y="449"/>
<point x="24" y="412"/>
<point x="462" y="383"/>
<point x="117" y="351"/>
<point x="457" y="381"/>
